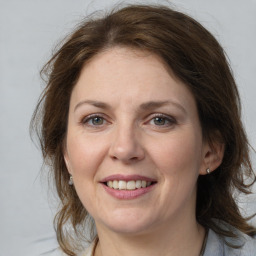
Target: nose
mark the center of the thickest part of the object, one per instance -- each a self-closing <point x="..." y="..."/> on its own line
<point x="126" y="146"/>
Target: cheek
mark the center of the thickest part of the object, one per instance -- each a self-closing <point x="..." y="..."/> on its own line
<point x="179" y="154"/>
<point x="85" y="154"/>
<point x="178" y="161"/>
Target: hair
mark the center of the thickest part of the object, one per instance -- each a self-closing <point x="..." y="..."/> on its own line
<point x="197" y="59"/>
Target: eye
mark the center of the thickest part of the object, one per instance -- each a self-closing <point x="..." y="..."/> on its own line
<point x="94" y="120"/>
<point x="97" y="120"/>
<point x="159" y="120"/>
<point x="162" y="120"/>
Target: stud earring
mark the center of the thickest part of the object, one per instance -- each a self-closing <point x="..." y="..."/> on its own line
<point x="208" y="171"/>
<point x="70" y="182"/>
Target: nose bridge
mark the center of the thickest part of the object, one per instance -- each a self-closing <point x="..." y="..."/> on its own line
<point x="126" y="143"/>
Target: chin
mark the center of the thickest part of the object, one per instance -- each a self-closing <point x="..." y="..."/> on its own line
<point x="132" y="229"/>
<point x="128" y="222"/>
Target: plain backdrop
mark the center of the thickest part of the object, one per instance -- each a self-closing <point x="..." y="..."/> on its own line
<point x="29" y="29"/>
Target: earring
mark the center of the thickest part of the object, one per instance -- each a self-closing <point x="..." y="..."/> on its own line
<point x="70" y="182"/>
<point x="208" y="171"/>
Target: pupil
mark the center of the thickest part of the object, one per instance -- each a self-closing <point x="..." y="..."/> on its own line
<point x="159" y="120"/>
<point x="97" y="120"/>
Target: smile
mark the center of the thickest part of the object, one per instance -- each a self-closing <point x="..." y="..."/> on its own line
<point x="128" y="185"/>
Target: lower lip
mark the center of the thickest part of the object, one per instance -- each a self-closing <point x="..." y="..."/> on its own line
<point x="128" y="194"/>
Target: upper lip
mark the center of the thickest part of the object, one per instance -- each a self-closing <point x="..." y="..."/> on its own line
<point x="126" y="178"/>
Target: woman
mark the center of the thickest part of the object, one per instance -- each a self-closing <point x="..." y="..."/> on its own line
<point x="140" y="122"/>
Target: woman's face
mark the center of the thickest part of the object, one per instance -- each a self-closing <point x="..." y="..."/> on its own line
<point x="134" y="142"/>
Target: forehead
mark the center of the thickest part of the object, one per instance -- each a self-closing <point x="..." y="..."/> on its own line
<point x="128" y="74"/>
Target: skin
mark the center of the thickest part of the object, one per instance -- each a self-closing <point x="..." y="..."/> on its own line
<point x="126" y="138"/>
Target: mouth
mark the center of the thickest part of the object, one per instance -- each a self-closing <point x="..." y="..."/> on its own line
<point x="128" y="185"/>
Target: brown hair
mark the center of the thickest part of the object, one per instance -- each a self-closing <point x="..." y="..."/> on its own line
<point x="197" y="59"/>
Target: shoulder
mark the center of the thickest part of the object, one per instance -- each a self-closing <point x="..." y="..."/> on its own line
<point x="217" y="245"/>
<point x="247" y="243"/>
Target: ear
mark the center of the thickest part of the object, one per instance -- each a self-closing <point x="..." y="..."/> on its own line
<point x="213" y="154"/>
<point x="66" y="159"/>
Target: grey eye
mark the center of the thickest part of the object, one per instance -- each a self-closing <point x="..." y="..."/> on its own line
<point x="160" y="121"/>
<point x="97" y="120"/>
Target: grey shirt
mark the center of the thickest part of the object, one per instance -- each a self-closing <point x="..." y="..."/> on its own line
<point x="216" y="245"/>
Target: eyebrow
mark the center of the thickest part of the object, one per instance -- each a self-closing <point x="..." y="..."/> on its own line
<point x="157" y="104"/>
<point x="144" y="106"/>
<point x="97" y="104"/>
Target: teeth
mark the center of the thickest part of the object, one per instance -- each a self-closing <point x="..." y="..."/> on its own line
<point x="129" y="185"/>
<point x="115" y="184"/>
<point x="122" y="184"/>
<point x="138" y="184"/>
<point x="110" y="184"/>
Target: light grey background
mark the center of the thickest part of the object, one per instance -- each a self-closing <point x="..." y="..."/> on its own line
<point x="28" y="31"/>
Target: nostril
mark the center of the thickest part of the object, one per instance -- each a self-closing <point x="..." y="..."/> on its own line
<point x="126" y="148"/>
<point x="114" y="157"/>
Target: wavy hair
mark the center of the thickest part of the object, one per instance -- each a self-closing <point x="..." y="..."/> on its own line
<point x="197" y="59"/>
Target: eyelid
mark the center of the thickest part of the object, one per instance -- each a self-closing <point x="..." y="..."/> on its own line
<point x="161" y="115"/>
<point x="85" y="119"/>
<point x="169" y="118"/>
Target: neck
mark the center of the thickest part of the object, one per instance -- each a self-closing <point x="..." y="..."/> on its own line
<point x="174" y="239"/>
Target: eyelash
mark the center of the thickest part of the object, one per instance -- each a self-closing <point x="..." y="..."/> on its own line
<point x="89" y="118"/>
<point x="171" y="121"/>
